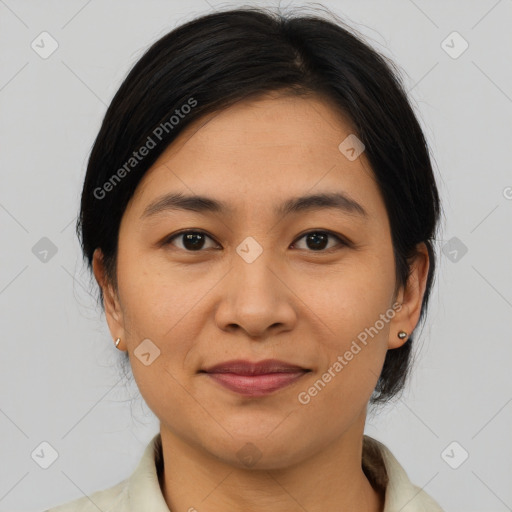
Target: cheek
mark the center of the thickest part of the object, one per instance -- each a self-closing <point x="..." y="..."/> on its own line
<point x="352" y="297"/>
<point x="163" y="309"/>
<point x="156" y="294"/>
<point x="355" y="304"/>
<point x="166" y="305"/>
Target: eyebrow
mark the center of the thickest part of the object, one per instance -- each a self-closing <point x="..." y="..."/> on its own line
<point x="306" y="203"/>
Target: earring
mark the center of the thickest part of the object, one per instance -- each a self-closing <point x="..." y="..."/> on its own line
<point x="117" y="342"/>
<point x="402" y="335"/>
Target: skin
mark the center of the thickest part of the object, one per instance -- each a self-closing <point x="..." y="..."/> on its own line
<point x="293" y="303"/>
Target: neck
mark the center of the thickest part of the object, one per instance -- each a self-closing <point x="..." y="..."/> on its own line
<point x="331" y="480"/>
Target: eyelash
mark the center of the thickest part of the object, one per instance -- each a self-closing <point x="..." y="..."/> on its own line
<point x="341" y="241"/>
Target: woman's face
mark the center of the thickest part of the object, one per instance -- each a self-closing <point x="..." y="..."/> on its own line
<point x="252" y="285"/>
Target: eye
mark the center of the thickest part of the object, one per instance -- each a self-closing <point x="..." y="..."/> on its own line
<point x="194" y="240"/>
<point x="191" y="240"/>
<point x="317" y="240"/>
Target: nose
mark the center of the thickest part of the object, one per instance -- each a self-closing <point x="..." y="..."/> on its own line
<point x="256" y="299"/>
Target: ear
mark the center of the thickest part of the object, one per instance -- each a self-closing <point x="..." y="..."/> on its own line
<point x="411" y="298"/>
<point x="113" y="312"/>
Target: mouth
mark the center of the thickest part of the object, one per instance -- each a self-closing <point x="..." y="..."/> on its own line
<point x="255" y="379"/>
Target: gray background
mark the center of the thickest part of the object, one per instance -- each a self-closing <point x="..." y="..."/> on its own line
<point x="59" y="379"/>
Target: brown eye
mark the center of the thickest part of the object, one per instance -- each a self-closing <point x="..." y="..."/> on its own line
<point x="195" y="241"/>
<point x="318" y="240"/>
<point x="190" y="240"/>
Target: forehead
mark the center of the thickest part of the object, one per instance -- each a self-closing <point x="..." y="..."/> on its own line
<point x="272" y="120"/>
<point x="261" y="150"/>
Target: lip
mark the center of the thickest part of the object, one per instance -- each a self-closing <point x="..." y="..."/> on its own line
<point x="255" y="378"/>
<point x="243" y="367"/>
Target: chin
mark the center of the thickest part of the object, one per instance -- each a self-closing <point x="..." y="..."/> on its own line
<point x="260" y="451"/>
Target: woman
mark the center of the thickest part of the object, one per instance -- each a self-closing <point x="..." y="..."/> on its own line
<point x="259" y="212"/>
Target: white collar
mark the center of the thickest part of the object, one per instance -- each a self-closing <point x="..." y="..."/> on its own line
<point x="142" y="489"/>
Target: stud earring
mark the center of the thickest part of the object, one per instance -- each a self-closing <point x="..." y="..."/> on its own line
<point x="117" y="342"/>
<point x="402" y="335"/>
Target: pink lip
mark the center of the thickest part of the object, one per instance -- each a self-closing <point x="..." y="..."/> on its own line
<point x="255" y="379"/>
<point x="256" y="385"/>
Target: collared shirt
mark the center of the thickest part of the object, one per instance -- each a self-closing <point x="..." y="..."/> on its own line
<point x="141" y="491"/>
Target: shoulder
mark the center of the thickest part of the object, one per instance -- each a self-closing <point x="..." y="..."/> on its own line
<point x="106" y="500"/>
<point x="400" y="493"/>
<point x="140" y="490"/>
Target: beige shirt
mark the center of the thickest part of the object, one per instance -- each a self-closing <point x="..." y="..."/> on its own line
<point x="141" y="491"/>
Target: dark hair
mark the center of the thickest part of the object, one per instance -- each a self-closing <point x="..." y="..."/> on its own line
<point x="210" y="63"/>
